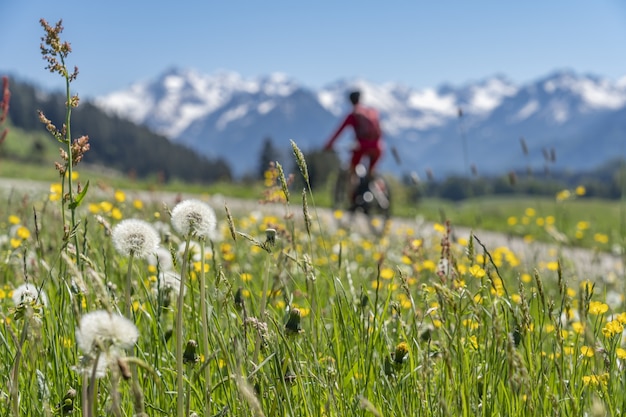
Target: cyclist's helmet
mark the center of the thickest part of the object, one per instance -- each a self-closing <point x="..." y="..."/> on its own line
<point x="355" y="96"/>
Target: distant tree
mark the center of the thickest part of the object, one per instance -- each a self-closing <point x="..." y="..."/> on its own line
<point x="269" y="153"/>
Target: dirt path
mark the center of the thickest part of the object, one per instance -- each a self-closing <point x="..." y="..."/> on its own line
<point x="578" y="263"/>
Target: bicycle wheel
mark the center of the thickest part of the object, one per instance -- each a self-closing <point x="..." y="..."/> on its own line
<point x="376" y="203"/>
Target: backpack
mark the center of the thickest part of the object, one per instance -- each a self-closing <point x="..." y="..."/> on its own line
<point x="367" y="126"/>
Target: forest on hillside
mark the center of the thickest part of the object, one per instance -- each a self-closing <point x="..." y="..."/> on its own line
<point x="115" y="143"/>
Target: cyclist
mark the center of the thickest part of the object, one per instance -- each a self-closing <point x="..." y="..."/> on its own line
<point x="366" y="125"/>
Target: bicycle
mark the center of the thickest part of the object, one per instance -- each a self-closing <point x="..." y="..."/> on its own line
<point x="372" y="199"/>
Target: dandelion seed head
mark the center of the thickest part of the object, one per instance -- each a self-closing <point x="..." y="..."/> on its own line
<point x="28" y="293"/>
<point x="170" y="281"/>
<point x="194" y="218"/>
<point x="101" y="328"/>
<point x="135" y="236"/>
<point x="161" y="257"/>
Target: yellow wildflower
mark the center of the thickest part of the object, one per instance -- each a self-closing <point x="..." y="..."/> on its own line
<point x="22" y="232"/>
<point x="119" y="196"/>
<point x="597" y="307"/>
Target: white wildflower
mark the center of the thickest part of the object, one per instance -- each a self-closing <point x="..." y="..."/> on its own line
<point x="105" y="330"/>
<point x="161" y="258"/>
<point x="194" y="218"/>
<point x="135" y="236"/>
<point x="28" y="293"/>
<point x="169" y="281"/>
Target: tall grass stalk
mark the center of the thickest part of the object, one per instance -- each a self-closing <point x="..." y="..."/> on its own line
<point x="55" y="53"/>
<point x="205" y="330"/>
<point x="180" y="307"/>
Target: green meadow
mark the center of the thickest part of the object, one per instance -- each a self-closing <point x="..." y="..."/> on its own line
<point x="120" y="302"/>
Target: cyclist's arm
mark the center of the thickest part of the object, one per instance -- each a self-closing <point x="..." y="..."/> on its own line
<point x="348" y="121"/>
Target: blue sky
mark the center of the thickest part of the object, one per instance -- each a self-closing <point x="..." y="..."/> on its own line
<point x="416" y="43"/>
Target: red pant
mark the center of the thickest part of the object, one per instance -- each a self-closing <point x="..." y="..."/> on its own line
<point x="373" y="150"/>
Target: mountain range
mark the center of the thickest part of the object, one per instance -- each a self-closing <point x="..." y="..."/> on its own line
<point x="567" y="120"/>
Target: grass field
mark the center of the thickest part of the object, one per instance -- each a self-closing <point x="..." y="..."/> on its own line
<point x="316" y="323"/>
<point x="129" y="306"/>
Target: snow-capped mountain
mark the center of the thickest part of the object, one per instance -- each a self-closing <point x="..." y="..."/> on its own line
<point x="581" y="117"/>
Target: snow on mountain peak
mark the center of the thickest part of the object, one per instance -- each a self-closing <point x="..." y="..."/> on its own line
<point x="486" y="96"/>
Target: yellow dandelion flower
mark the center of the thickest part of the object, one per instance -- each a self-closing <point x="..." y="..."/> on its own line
<point x="601" y="238"/>
<point x="516" y="298"/>
<point x="530" y="212"/>
<point x="511" y="221"/>
<point x="246" y="277"/>
<point x="552" y="265"/>
<point x="621" y="353"/>
<point x="568" y="350"/>
<point x="23" y="233"/>
<point x="138" y="204"/>
<point x="470" y="324"/>
<point x="93" y="208"/>
<point x="550" y="220"/>
<point x="582" y="225"/>
<point x="106" y="206"/>
<point x="526" y="278"/>
<point x="428" y="265"/>
<point x="439" y="227"/>
<point x="540" y="221"/>
<point x="578" y="327"/>
<point x="563" y="195"/>
<point x="549" y="328"/>
<point x="55" y="191"/>
<point x="3" y="294"/>
<point x="581" y="190"/>
<point x="386" y="273"/>
<point x="406" y="260"/>
<point x="116" y="214"/>
<point x="15" y="243"/>
<point x="13" y="219"/>
<point x="119" y="196"/>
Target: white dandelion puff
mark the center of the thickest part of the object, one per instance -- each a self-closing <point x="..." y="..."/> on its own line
<point x="161" y="258"/>
<point x="105" y="330"/>
<point x="194" y="218"/>
<point x="169" y="281"/>
<point x="135" y="236"/>
<point x="28" y="293"/>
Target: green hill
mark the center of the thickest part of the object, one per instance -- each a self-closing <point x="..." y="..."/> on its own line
<point x="116" y="144"/>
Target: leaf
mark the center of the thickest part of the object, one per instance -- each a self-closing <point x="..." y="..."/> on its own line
<point x="79" y="198"/>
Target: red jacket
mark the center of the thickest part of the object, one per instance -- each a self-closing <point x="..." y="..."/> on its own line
<point x="366" y="126"/>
